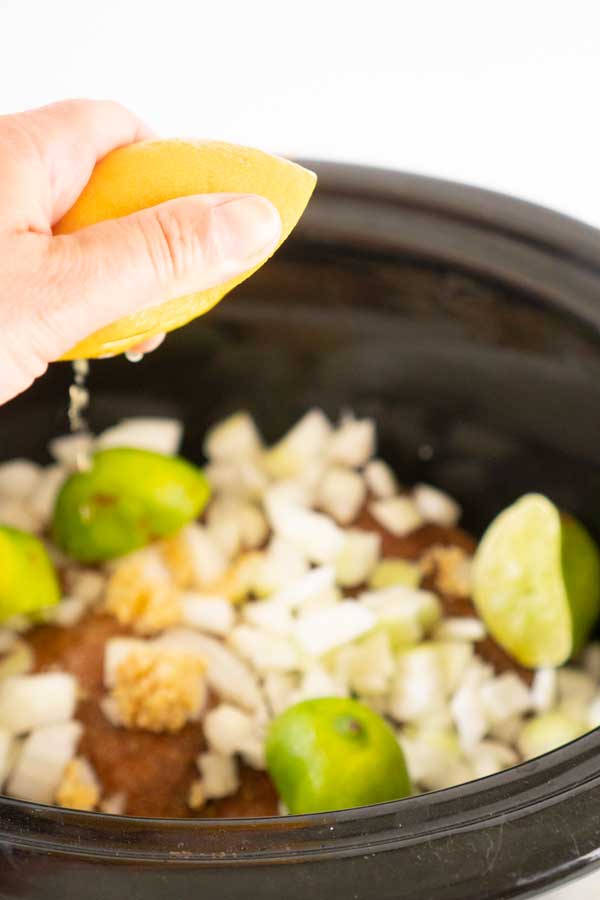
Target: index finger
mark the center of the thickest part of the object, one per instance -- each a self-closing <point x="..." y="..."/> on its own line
<point x="70" y="137"/>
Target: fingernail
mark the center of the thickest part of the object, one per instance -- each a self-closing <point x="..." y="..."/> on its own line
<point x="248" y="226"/>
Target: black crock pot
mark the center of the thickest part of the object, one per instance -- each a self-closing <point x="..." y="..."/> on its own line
<point x="468" y="325"/>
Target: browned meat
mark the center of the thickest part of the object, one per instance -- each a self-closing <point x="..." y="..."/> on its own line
<point x="153" y="770"/>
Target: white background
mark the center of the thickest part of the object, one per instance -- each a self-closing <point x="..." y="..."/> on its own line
<point x="500" y="94"/>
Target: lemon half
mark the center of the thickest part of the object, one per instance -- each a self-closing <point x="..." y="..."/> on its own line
<point x="150" y="172"/>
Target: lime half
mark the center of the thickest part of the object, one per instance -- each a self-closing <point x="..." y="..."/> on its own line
<point x="536" y="582"/>
<point x="28" y="580"/>
<point x="334" y="753"/>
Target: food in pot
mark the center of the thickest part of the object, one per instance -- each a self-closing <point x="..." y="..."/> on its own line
<point x="199" y="655"/>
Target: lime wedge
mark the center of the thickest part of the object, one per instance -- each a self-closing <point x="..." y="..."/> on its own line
<point x="536" y="582"/>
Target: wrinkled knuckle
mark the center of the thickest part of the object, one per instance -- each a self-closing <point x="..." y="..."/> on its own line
<point x="172" y="245"/>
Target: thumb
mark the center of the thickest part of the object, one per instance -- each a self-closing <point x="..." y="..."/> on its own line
<point x="121" y="266"/>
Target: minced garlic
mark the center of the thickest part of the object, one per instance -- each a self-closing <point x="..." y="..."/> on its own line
<point x="79" y="788"/>
<point x="451" y="569"/>
<point x="140" y="593"/>
<point x="158" y="689"/>
<point x="238" y="581"/>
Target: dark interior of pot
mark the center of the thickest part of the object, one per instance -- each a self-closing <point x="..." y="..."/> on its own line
<point x="478" y="384"/>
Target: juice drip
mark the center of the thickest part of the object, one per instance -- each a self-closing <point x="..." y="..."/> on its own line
<point x="79" y="396"/>
<point x="79" y="399"/>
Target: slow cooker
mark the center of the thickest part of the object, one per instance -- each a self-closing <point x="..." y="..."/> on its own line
<point x="468" y="324"/>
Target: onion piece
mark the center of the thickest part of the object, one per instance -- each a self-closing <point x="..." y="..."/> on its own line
<point x="504" y="697"/>
<point x="544" y="690"/>
<point x="436" y="506"/>
<point x="228" y="729"/>
<point x="353" y="443"/>
<point x="161" y="435"/>
<point x="303" y="443"/>
<point x="341" y="494"/>
<point x="42" y="760"/>
<point x="212" y="614"/>
<point x="233" y="438"/>
<point x="380" y="479"/>
<point x="357" y="558"/>
<point x="314" y="534"/>
<point x="282" y="565"/>
<point x="321" y="631"/>
<point x="33" y="701"/>
<point x="398" y="515"/>
<point x="219" y="775"/>
<point x="229" y="677"/>
<point x="461" y="628"/>
<point x="19" y="478"/>
<point x="316" y="581"/>
<point x="266" y="651"/>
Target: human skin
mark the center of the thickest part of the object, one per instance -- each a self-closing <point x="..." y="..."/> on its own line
<point x="56" y="290"/>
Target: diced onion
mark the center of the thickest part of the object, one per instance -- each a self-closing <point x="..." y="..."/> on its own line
<point x="544" y="690"/>
<point x="463" y="628"/>
<point x="42" y="760"/>
<point x="357" y="558"/>
<point x="219" y="775"/>
<point x="321" y="631"/>
<point x="380" y="479"/>
<point x="19" y="478"/>
<point x="33" y="701"/>
<point x="353" y="443"/>
<point x="341" y="494"/>
<point x="435" y="506"/>
<point x="158" y="434"/>
<point x="398" y="515"/>
<point x="212" y="614"/>
<point x="234" y="438"/>
<point x="266" y="651"/>
<point x="305" y="441"/>
<point x="314" y="534"/>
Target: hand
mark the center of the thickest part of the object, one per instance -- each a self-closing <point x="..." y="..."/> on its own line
<point x="56" y="290"/>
